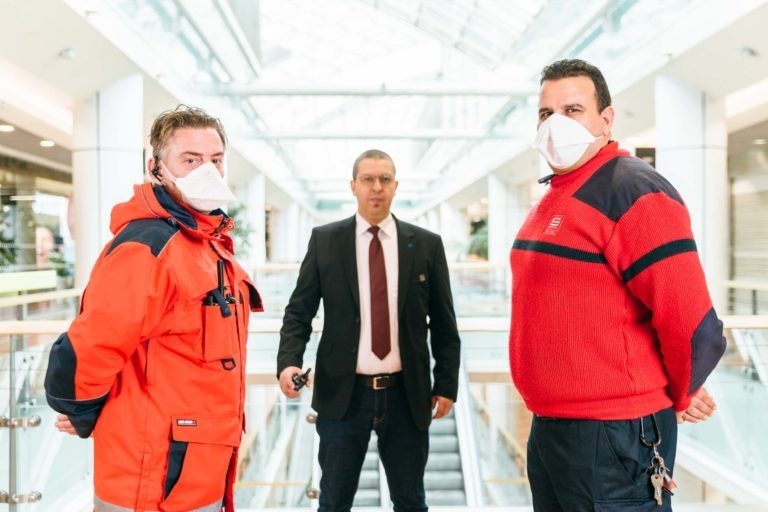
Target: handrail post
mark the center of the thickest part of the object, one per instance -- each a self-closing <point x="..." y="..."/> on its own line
<point x="12" y="483"/>
<point x="754" y="301"/>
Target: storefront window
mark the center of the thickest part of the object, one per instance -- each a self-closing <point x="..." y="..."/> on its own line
<point x="34" y="232"/>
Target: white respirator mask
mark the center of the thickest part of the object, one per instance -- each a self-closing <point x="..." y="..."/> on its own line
<point x="203" y="188"/>
<point x="562" y="140"/>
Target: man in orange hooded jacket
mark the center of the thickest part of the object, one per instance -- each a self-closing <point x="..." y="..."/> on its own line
<point x="154" y="365"/>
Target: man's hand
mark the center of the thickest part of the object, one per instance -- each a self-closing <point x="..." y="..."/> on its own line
<point x="701" y="408"/>
<point x="286" y="381"/>
<point x="443" y="404"/>
<point x="64" y="425"/>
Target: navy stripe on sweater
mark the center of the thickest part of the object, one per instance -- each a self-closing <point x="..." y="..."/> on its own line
<point x="662" y="252"/>
<point x="559" y="250"/>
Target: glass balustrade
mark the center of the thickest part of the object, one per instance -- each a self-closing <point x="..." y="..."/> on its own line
<point x="721" y="462"/>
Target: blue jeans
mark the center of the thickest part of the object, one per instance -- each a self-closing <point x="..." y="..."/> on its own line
<point x="403" y="449"/>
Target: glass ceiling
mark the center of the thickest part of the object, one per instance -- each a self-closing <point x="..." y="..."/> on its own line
<point x="447" y="87"/>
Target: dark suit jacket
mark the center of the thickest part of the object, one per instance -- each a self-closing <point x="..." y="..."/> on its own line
<point x="329" y="272"/>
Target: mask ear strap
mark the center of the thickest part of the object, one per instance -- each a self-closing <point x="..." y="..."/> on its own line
<point x="156" y="171"/>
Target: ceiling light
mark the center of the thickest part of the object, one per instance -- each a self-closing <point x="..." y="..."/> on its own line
<point x="47" y="143"/>
<point x="6" y="128"/>
<point x="68" y="53"/>
<point x="747" y="51"/>
<point x="760" y="142"/>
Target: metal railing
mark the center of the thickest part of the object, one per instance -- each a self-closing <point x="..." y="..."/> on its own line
<point x="484" y="353"/>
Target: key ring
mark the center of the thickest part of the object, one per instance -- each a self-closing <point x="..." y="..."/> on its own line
<point x="656" y="433"/>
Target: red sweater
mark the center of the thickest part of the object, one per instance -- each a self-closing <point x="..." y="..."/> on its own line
<point x="611" y="317"/>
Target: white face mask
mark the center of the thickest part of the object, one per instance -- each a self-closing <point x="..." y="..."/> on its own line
<point x="562" y="140"/>
<point x="203" y="188"/>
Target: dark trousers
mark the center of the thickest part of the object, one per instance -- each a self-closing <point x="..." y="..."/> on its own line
<point x="402" y="447"/>
<point x="600" y="466"/>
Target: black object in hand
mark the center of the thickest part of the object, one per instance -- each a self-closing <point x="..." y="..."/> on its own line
<point x="300" y="379"/>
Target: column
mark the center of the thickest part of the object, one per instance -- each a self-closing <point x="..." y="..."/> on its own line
<point x="691" y="151"/>
<point x="454" y="231"/>
<point x="253" y="197"/>
<point x="107" y="160"/>
<point x="286" y="226"/>
<point x="498" y="222"/>
<point x="291" y="225"/>
<point x="432" y="220"/>
<point x="303" y="232"/>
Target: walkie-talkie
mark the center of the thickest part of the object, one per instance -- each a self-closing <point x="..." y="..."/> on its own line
<point x="300" y="379"/>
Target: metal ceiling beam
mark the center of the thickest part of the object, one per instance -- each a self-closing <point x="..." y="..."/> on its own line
<point x="404" y="134"/>
<point x="425" y="89"/>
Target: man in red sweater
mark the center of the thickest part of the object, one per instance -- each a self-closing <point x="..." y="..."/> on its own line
<point x="613" y="330"/>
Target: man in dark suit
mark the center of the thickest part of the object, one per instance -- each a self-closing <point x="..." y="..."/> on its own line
<point x="383" y="282"/>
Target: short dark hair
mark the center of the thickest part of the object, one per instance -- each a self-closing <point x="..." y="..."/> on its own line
<point x="375" y="154"/>
<point x="567" y="68"/>
<point x="183" y="116"/>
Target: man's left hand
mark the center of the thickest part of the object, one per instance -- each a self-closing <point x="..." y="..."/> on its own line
<point x="701" y="408"/>
<point x="444" y="406"/>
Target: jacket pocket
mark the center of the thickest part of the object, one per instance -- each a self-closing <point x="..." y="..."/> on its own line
<point x="219" y="334"/>
<point x="199" y="456"/>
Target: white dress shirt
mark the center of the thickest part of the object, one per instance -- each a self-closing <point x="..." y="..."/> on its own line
<point x="367" y="362"/>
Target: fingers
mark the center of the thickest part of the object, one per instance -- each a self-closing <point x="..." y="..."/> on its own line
<point x="679" y="415"/>
<point x="701" y="408"/>
<point x="286" y="381"/>
<point x="705" y="400"/>
<point x="63" y="424"/>
<point x="444" y="406"/>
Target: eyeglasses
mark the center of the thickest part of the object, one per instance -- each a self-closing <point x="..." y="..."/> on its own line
<point x="368" y="180"/>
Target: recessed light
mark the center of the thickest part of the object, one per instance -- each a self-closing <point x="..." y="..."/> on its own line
<point x="760" y="142"/>
<point x="47" y="143"/>
<point x="6" y="128"/>
<point x="748" y="51"/>
<point x="68" y="53"/>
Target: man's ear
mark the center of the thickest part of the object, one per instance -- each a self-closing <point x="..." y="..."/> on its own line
<point x="607" y="115"/>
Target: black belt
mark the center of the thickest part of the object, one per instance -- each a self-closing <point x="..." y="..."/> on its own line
<point x="549" y="418"/>
<point x="382" y="381"/>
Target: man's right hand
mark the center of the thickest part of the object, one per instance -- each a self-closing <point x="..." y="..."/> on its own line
<point x="64" y="425"/>
<point x="286" y="381"/>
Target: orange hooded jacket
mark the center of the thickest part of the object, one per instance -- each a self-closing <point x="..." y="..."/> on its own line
<point x="154" y="365"/>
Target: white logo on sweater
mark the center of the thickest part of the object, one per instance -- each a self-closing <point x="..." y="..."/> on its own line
<point x="554" y="225"/>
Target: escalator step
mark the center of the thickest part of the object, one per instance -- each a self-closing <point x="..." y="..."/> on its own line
<point x="442" y="426"/>
<point x="443" y="498"/>
<point x="371" y="460"/>
<point x="443" y="461"/>
<point x="449" y="480"/>
<point x="443" y="444"/>
<point x="367" y="498"/>
<point x="369" y="479"/>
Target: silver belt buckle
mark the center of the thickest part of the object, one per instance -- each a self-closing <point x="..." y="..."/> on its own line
<point x="377" y="379"/>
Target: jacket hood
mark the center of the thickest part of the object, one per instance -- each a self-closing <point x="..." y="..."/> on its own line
<point x="153" y="202"/>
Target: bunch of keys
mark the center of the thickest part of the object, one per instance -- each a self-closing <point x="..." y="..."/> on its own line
<point x="660" y="478"/>
<point x="300" y="379"/>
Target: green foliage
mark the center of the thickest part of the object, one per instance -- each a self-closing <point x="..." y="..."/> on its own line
<point x="478" y="243"/>
<point x="237" y="212"/>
